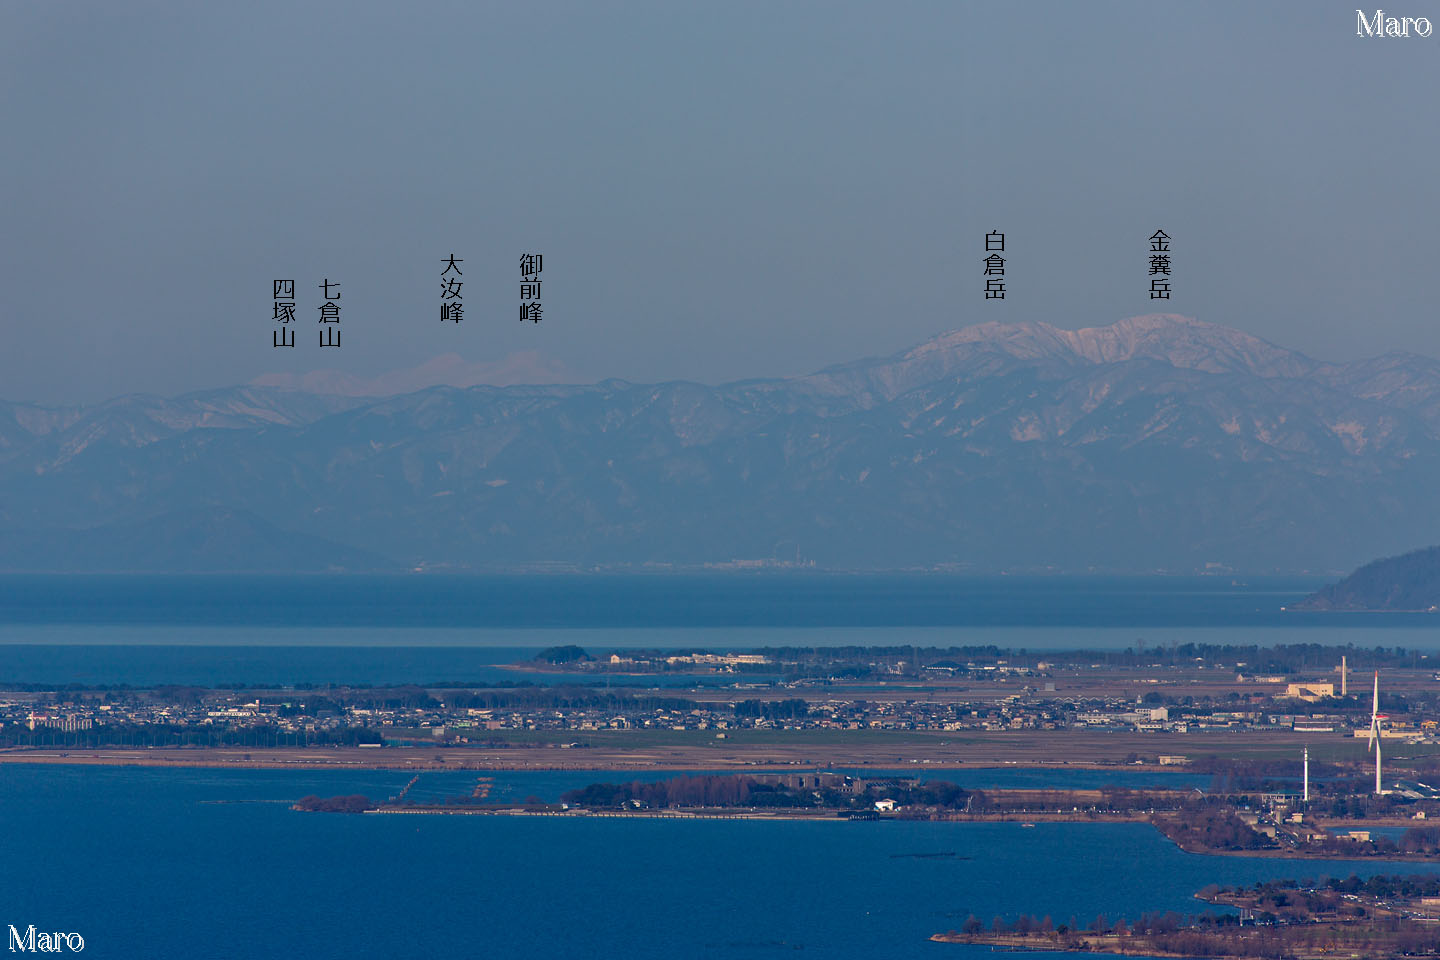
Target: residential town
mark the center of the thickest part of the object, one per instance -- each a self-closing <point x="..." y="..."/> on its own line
<point x="858" y="691"/>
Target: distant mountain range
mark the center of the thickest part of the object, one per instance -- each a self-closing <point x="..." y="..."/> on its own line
<point x="1157" y="443"/>
<point x="522" y="366"/>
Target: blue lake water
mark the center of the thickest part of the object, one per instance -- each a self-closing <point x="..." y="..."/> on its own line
<point x="689" y="601"/>
<point x="146" y="862"/>
<point x="420" y="629"/>
<point x="272" y="630"/>
<point x="140" y="863"/>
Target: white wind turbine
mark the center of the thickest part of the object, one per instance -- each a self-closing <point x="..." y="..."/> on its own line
<point x="1375" y="719"/>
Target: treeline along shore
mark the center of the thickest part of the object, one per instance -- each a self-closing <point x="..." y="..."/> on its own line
<point x="1364" y="919"/>
<point x="1275" y="825"/>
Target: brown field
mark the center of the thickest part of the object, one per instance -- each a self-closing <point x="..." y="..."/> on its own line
<point x="748" y="750"/>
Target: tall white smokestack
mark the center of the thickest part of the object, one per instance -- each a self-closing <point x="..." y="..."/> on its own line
<point x="1307" y="774"/>
<point x="1344" y="690"/>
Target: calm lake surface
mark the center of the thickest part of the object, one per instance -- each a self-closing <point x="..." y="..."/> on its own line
<point x="273" y="630"/>
<point x="148" y="863"/>
<point x="143" y="863"/>
<point x="600" y="601"/>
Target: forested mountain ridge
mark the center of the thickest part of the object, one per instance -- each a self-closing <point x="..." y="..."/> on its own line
<point x="1407" y="582"/>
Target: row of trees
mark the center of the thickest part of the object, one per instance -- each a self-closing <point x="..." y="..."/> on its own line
<point x="738" y="790"/>
<point x="1211" y="935"/>
<point x="564" y="698"/>
<point x="355" y="803"/>
<point x="687" y="791"/>
<point x="172" y="735"/>
<point x="1215" y="828"/>
<point x="723" y="790"/>
<point x="1405" y="886"/>
<point x="795" y="709"/>
<point x="1026" y="925"/>
<point x="1420" y="840"/>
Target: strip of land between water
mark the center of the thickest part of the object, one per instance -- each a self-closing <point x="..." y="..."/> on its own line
<point x="699" y="750"/>
<point x="518" y="760"/>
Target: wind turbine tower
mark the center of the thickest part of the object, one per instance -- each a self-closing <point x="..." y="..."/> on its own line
<point x="1375" y="719"/>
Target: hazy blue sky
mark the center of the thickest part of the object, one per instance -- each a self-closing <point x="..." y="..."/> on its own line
<point x="719" y="190"/>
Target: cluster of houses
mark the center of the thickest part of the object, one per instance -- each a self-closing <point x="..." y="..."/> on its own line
<point x="719" y="661"/>
<point x="798" y="704"/>
<point x="225" y="710"/>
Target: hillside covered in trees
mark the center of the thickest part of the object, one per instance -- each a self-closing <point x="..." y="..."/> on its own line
<point x="1407" y="582"/>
